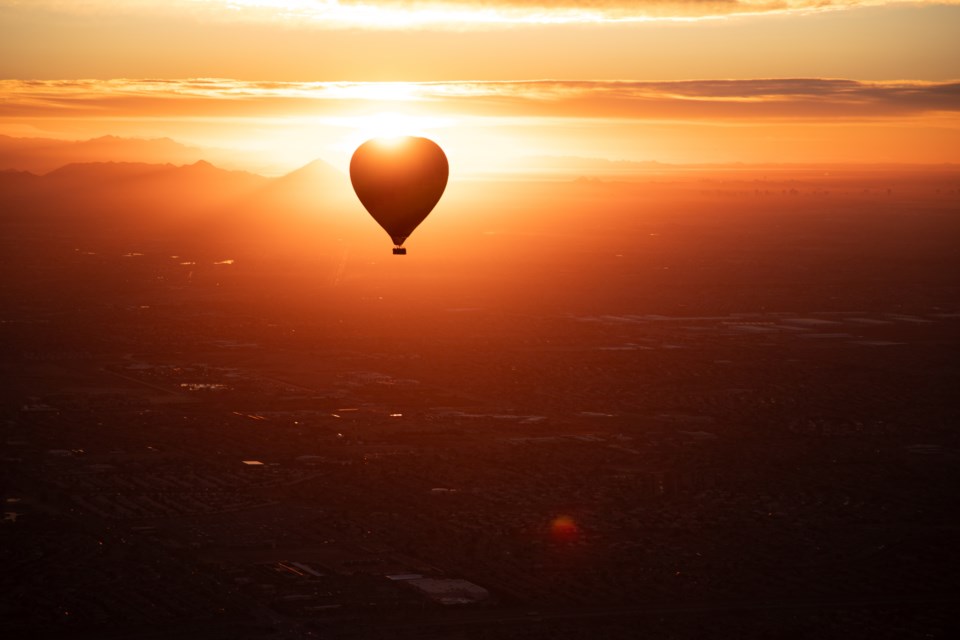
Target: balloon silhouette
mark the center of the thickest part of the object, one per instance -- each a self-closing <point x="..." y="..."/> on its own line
<point x="399" y="181"/>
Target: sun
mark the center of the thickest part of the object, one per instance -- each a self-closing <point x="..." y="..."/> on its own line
<point x="389" y="125"/>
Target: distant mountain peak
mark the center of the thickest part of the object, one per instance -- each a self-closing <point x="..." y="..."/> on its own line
<point x="315" y="165"/>
<point x="315" y="171"/>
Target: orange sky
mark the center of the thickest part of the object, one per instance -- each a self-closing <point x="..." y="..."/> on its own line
<point x="675" y="81"/>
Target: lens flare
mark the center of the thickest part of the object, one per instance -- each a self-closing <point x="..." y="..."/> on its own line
<point x="564" y="529"/>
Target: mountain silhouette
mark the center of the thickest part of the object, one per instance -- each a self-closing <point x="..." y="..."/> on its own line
<point x="317" y="172"/>
<point x="41" y="155"/>
<point x="309" y="189"/>
<point x="150" y="187"/>
<point x="198" y="202"/>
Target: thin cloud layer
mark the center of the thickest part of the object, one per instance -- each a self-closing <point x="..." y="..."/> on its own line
<point x="388" y="14"/>
<point x="759" y="100"/>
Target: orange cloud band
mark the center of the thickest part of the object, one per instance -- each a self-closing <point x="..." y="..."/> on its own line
<point x="773" y="99"/>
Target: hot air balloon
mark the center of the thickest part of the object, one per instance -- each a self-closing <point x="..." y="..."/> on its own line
<point x="399" y="181"/>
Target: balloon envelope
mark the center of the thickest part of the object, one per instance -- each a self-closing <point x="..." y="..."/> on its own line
<point x="399" y="181"/>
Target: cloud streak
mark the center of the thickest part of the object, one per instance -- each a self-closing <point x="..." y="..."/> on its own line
<point x="795" y="99"/>
<point x="403" y="14"/>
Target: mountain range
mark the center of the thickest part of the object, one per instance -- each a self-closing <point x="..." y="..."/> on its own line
<point x="148" y="200"/>
<point x="42" y="155"/>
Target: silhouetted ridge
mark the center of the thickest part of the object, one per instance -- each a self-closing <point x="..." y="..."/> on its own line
<point x="193" y="202"/>
<point x="316" y="187"/>
<point x="105" y="170"/>
<point x="317" y="173"/>
<point x="42" y="155"/>
<point x="124" y="170"/>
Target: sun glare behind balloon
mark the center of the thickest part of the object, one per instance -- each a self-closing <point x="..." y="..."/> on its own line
<point x="390" y="124"/>
<point x="387" y="126"/>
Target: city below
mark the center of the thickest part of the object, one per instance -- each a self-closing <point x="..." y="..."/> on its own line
<point x="684" y="404"/>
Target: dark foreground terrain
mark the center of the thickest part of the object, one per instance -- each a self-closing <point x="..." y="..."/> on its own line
<point x="691" y="405"/>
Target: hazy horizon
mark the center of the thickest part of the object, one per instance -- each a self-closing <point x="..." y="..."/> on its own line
<point x="44" y="155"/>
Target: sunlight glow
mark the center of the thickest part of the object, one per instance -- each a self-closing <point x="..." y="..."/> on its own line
<point x="385" y="91"/>
<point x="386" y="125"/>
<point x="512" y="127"/>
<point x="456" y="14"/>
<point x="392" y="124"/>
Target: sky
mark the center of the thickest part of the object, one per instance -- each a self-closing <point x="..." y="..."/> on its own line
<point x="500" y="84"/>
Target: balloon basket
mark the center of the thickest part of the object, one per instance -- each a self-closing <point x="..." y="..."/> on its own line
<point x="399" y="251"/>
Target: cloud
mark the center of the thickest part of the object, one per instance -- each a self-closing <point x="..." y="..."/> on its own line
<point x="399" y="14"/>
<point x="596" y="10"/>
<point x="796" y="99"/>
<point x="754" y="100"/>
